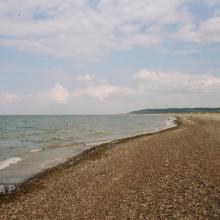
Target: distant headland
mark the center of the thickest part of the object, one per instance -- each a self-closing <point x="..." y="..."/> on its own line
<point x="176" y="110"/>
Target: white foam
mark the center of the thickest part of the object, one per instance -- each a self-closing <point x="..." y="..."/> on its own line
<point x="35" y="150"/>
<point x="171" y="122"/>
<point x="8" y="162"/>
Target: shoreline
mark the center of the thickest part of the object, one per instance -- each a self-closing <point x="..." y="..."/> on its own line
<point x="25" y="186"/>
<point x="172" y="174"/>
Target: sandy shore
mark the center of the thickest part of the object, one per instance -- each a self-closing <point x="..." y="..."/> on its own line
<point x="170" y="175"/>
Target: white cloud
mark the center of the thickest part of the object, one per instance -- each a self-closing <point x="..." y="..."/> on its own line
<point x="58" y="94"/>
<point x="148" y="89"/>
<point x="202" y="31"/>
<point x="102" y="92"/>
<point x="99" y="91"/>
<point x="145" y="83"/>
<point x="163" y="81"/>
<point x="208" y="82"/>
<point x="75" y="28"/>
<point x="6" y="98"/>
<point x="187" y="32"/>
<point x="85" y="77"/>
<point x="210" y="29"/>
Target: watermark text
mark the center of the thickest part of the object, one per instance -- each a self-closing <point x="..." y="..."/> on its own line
<point x="7" y="188"/>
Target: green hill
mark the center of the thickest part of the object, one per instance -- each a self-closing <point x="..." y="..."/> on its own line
<point x="176" y="110"/>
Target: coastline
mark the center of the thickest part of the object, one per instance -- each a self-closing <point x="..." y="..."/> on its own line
<point x="26" y="185"/>
<point x="172" y="174"/>
<point x="33" y="153"/>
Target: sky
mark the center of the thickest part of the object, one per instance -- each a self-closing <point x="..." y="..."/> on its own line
<point x="108" y="56"/>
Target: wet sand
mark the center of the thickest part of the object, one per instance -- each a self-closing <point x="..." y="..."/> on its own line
<point x="174" y="174"/>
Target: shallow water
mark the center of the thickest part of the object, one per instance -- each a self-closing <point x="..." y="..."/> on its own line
<point x="30" y="144"/>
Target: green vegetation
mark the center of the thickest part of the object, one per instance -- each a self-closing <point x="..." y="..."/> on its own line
<point x="176" y="110"/>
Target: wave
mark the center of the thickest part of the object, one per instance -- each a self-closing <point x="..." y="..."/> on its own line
<point x="96" y="143"/>
<point x="8" y="162"/>
<point x="171" y="122"/>
<point x="36" y="150"/>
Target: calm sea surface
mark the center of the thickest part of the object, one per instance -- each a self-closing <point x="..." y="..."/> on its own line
<point x="30" y="144"/>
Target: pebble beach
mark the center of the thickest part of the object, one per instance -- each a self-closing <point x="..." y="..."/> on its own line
<point x="173" y="174"/>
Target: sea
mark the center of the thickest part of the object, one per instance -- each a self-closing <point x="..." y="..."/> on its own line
<point x="31" y="144"/>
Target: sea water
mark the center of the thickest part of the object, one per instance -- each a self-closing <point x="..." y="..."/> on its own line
<point x="30" y="144"/>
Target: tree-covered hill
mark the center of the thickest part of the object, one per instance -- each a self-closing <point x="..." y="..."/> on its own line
<point x="176" y="110"/>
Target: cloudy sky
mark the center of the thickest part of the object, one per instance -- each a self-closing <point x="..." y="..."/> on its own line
<point x="108" y="56"/>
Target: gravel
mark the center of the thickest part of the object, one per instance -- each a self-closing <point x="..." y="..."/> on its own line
<point x="174" y="174"/>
